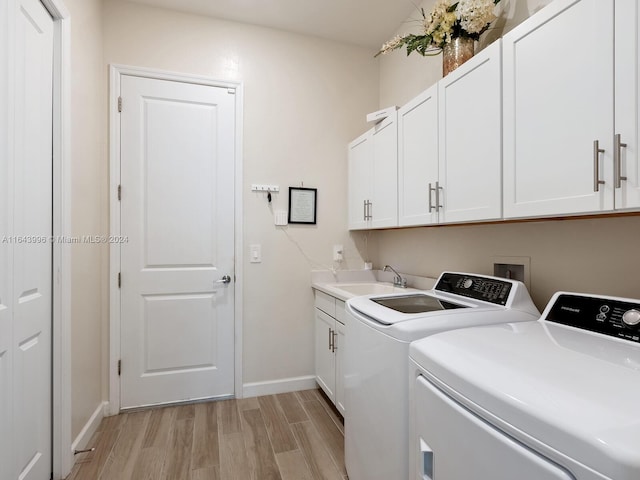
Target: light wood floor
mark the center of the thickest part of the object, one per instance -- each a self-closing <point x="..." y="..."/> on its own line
<point x="291" y="436"/>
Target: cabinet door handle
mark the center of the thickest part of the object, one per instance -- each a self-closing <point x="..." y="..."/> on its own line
<point x="438" y="188"/>
<point x="331" y="340"/>
<point x="431" y="207"/>
<point x="596" y="166"/>
<point x="370" y="211"/>
<point x="617" y="160"/>
<point x="334" y="345"/>
<point x="364" y="210"/>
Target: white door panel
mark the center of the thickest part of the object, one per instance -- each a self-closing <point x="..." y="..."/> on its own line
<point x="557" y="102"/>
<point x="31" y="252"/>
<point x="627" y="96"/>
<point x="359" y="177"/>
<point x="470" y="144"/>
<point x="454" y="444"/>
<point x="6" y="320"/>
<point x="384" y="207"/>
<point x="177" y="174"/>
<point x="418" y="159"/>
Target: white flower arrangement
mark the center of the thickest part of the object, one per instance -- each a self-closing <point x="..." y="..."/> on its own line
<point x="448" y="20"/>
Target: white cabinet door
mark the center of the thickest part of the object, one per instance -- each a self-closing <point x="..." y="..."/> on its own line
<point x="558" y="100"/>
<point x="360" y="170"/>
<point x="471" y="140"/>
<point x="384" y="204"/>
<point x="418" y="159"/>
<point x="339" y="343"/>
<point x="325" y="358"/>
<point x="627" y="113"/>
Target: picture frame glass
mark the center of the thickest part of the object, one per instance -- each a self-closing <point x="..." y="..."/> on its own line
<point x="302" y="205"/>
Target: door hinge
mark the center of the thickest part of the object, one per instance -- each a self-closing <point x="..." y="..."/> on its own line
<point x="231" y="91"/>
<point x="119" y="367"/>
<point x="119" y="104"/>
<point x="119" y="192"/>
<point x="119" y="279"/>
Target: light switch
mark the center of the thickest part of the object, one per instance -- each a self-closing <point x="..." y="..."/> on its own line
<point x="255" y="253"/>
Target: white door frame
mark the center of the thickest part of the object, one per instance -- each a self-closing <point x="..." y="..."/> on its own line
<point x="61" y="272"/>
<point x="115" y="72"/>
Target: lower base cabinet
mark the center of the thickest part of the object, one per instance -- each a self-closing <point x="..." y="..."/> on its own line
<point x="329" y="343"/>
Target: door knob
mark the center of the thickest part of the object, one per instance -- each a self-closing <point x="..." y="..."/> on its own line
<point x="225" y="279"/>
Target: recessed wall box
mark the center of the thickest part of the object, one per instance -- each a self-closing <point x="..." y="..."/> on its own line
<point x="375" y="117"/>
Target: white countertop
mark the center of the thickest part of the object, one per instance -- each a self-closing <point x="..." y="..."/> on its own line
<point x="345" y="284"/>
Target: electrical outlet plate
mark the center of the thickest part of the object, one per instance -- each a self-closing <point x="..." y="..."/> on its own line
<point x="338" y="253"/>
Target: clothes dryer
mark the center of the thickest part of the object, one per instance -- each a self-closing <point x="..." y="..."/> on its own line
<point x="554" y="399"/>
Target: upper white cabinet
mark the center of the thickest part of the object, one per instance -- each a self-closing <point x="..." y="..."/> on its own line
<point x="545" y="122"/>
<point x="558" y="109"/>
<point x="373" y="177"/>
<point x="627" y="97"/>
<point x="470" y="159"/>
<point x="360" y="181"/>
<point x="418" y="159"/>
<point x="450" y="147"/>
<point x="383" y="208"/>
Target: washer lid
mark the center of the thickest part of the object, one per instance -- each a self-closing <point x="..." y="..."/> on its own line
<point x="575" y="391"/>
<point x="415" y="303"/>
<point x="401" y="307"/>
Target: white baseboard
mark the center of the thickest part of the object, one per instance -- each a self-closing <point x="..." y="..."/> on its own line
<point x="82" y="440"/>
<point x="273" y="387"/>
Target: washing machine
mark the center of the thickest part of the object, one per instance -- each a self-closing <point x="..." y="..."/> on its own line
<point x="379" y="330"/>
<point x="558" y="398"/>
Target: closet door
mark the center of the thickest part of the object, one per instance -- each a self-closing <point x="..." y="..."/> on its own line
<point x="29" y="247"/>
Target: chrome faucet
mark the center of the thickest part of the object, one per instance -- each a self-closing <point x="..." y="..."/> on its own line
<point x="398" y="280"/>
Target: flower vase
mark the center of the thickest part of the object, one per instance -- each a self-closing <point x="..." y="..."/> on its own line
<point x="455" y="53"/>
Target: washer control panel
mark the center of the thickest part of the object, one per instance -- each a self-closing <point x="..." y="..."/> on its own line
<point x="479" y="288"/>
<point x="613" y="317"/>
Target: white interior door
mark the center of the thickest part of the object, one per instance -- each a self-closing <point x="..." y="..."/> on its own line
<point x="177" y="217"/>
<point x="25" y="252"/>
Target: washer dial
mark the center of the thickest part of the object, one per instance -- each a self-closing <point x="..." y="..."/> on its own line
<point x="631" y="317"/>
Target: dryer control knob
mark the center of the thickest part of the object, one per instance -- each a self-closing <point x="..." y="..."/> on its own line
<point x="467" y="283"/>
<point x="631" y="317"/>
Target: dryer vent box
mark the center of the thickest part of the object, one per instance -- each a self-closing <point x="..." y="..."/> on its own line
<point x="515" y="268"/>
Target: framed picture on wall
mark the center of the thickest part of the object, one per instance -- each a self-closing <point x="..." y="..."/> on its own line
<point x="303" y="205"/>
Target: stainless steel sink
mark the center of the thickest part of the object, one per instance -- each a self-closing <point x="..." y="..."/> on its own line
<point x="370" y="288"/>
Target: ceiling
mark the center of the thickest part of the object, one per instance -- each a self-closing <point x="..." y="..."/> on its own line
<point x="367" y="23"/>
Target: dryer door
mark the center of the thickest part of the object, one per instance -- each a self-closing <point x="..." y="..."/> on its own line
<point x="455" y="444"/>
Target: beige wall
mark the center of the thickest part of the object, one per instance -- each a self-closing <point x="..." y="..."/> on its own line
<point x="590" y="255"/>
<point x="304" y="99"/>
<point x="88" y="177"/>
<point x="584" y="255"/>
<point x="402" y="77"/>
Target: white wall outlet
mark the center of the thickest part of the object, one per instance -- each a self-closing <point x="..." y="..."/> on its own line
<point x="255" y="253"/>
<point x="337" y="253"/>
